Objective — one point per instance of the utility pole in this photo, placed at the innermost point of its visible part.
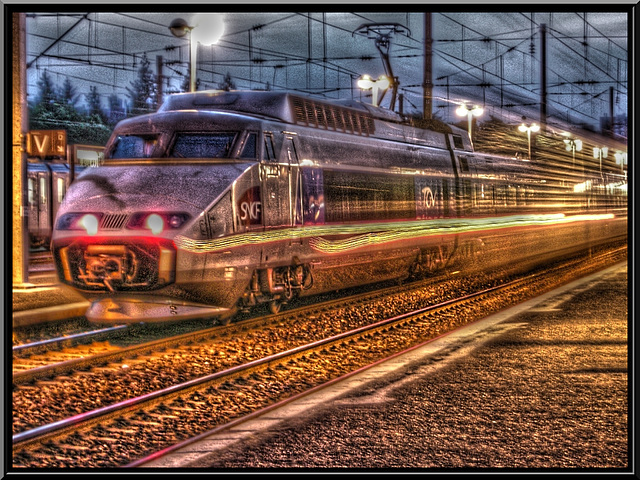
(611, 122)
(427, 100)
(159, 78)
(543, 76)
(20, 238)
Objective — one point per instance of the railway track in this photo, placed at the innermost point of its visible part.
(50, 357)
(122, 431)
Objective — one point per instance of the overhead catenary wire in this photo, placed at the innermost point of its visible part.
(275, 59)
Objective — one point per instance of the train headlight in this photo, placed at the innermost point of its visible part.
(90, 223)
(157, 222)
(80, 221)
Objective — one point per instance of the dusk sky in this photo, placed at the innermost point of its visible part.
(489, 58)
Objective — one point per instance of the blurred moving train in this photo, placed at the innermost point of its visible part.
(47, 184)
(221, 201)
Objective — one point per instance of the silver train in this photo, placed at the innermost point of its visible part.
(221, 201)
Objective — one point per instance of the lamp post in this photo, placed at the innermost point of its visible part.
(573, 145)
(476, 111)
(366, 83)
(621, 159)
(600, 153)
(210, 32)
(529, 128)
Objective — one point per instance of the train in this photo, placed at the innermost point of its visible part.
(221, 202)
(47, 183)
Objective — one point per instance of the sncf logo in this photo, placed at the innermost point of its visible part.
(250, 208)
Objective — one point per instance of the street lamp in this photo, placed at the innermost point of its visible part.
(209, 30)
(573, 146)
(476, 111)
(526, 128)
(366, 83)
(621, 159)
(600, 153)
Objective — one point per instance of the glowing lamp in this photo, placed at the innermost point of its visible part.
(89, 223)
(367, 83)
(209, 29)
(463, 111)
(533, 128)
(155, 223)
(600, 152)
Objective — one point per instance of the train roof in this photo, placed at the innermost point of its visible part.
(283, 106)
(347, 115)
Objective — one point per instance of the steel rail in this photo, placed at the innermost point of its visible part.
(47, 371)
(76, 336)
(94, 416)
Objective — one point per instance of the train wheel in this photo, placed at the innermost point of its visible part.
(275, 306)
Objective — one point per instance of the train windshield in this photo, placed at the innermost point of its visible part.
(185, 145)
(202, 145)
(134, 146)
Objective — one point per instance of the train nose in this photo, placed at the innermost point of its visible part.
(138, 264)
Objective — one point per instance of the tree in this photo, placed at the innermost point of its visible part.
(185, 85)
(94, 107)
(47, 93)
(68, 92)
(143, 91)
(227, 84)
(117, 110)
(53, 110)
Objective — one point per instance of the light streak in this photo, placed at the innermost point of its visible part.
(363, 235)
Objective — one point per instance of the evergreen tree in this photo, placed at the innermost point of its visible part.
(94, 107)
(68, 92)
(47, 93)
(185, 85)
(227, 84)
(57, 111)
(51, 107)
(117, 110)
(143, 91)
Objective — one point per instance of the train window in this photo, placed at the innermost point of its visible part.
(511, 196)
(202, 145)
(134, 146)
(313, 199)
(61, 189)
(31, 195)
(249, 147)
(43, 190)
(360, 197)
(269, 148)
(464, 164)
(269, 152)
(457, 142)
